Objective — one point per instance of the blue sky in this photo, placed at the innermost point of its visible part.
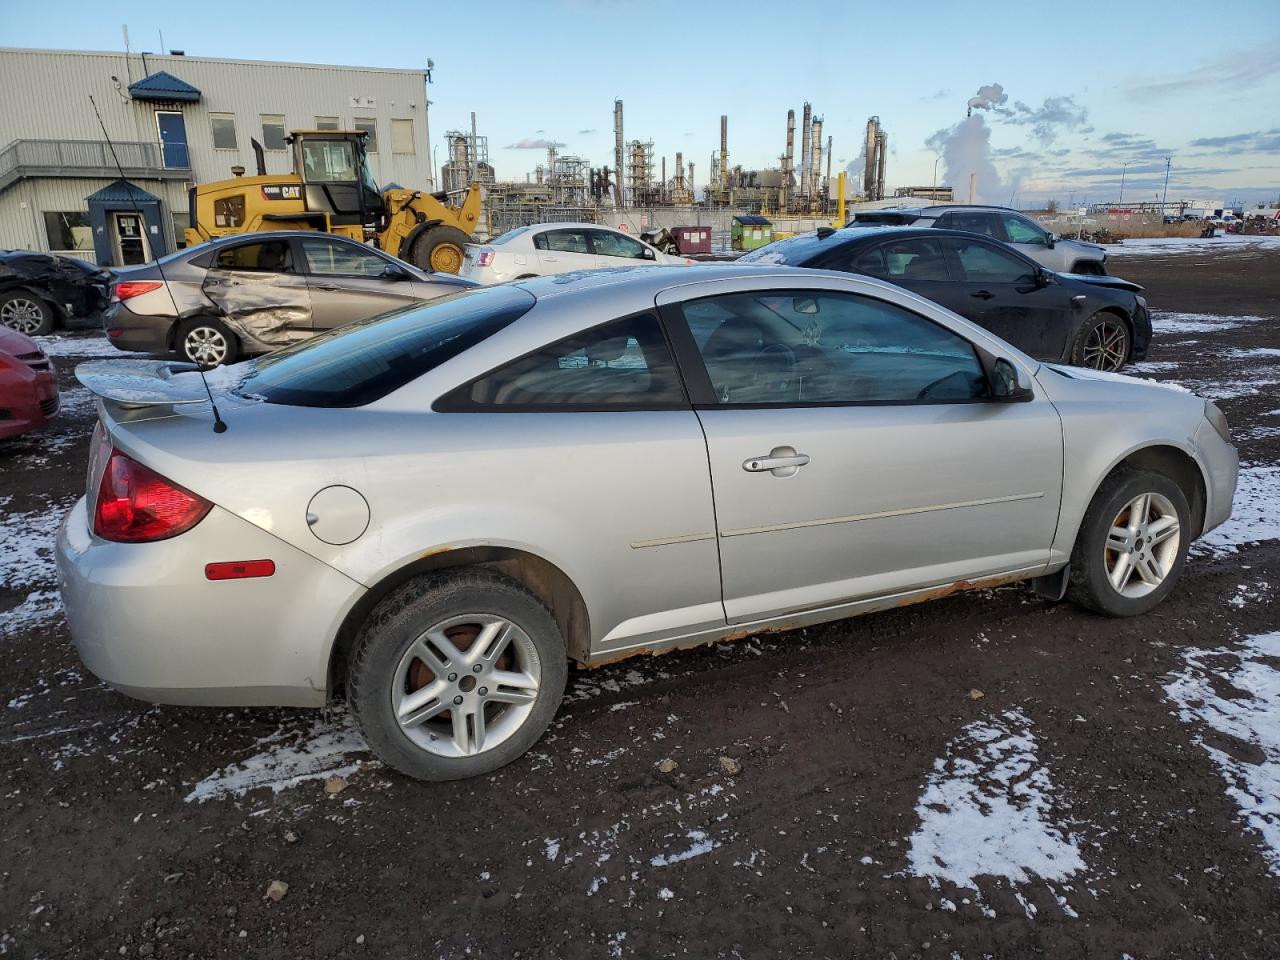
(1089, 88)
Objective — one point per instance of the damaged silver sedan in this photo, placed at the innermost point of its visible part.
(254, 293)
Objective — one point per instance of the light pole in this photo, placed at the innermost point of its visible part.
(934, 189)
(1123, 169)
(1164, 199)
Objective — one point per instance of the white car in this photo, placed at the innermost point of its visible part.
(546, 248)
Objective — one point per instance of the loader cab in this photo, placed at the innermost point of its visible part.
(334, 168)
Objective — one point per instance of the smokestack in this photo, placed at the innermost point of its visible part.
(869, 159)
(788, 161)
(471, 167)
(617, 154)
(826, 186)
(973, 186)
(805, 132)
(882, 151)
(664, 176)
(724, 152)
(815, 161)
(691, 181)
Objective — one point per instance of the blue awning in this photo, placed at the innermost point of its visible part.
(122, 191)
(164, 87)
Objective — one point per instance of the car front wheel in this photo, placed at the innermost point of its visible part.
(455, 675)
(26, 313)
(1132, 544)
(1102, 343)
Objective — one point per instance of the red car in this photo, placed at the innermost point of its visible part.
(28, 386)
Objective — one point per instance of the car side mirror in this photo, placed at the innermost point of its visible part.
(1050, 239)
(1045, 277)
(1009, 384)
(394, 271)
(649, 254)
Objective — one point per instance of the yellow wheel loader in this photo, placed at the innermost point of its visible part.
(332, 190)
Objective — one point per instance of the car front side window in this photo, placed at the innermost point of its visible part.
(814, 348)
(1022, 230)
(624, 364)
(610, 244)
(981, 262)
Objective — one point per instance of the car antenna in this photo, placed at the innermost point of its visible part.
(219, 425)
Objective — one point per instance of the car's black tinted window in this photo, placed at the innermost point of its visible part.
(918, 258)
(984, 223)
(623, 364)
(364, 361)
(805, 347)
(981, 262)
(272, 256)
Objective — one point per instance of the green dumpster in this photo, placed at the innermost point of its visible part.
(751, 231)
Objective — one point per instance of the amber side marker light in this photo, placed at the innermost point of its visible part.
(239, 569)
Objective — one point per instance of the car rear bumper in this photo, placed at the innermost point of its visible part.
(145, 619)
(27, 402)
(135, 331)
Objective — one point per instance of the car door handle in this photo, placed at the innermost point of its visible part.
(983, 294)
(777, 462)
(332, 288)
(548, 259)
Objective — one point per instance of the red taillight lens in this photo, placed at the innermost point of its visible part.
(485, 258)
(128, 289)
(137, 505)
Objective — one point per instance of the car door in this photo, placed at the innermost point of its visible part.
(349, 282)
(855, 451)
(562, 250)
(614, 249)
(595, 435)
(915, 263)
(259, 291)
(1009, 295)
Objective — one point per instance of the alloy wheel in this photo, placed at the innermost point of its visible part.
(205, 346)
(1142, 545)
(22, 314)
(466, 685)
(1106, 347)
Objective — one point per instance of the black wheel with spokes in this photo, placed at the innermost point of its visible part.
(1102, 343)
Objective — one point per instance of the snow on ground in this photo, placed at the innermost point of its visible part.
(986, 811)
(1233, 695)
(27, 563)
(1162, 246)
(1255, 511)
(297, 752)
(90, 345)
(1168, 322)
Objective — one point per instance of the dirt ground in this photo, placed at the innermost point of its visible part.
(1070, 768)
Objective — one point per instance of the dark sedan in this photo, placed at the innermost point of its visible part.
(1098, 322)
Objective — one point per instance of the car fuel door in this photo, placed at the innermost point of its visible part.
(259, 293)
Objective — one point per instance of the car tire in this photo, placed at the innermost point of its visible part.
(206, 341)
(434, 696)
(439, 250)
(1103, 342)
(1089, 268)
(23, 311)
(1116, 569)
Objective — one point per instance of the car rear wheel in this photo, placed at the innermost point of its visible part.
(456, 675)
(439, 250)
(1102, 343)
(26, 313)
(1132, 544)
(207, 342)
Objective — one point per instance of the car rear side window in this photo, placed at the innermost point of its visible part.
(270, 256)
(622, 365)
(366, 360)
(973, 222)
(562, 241)
(919, 258)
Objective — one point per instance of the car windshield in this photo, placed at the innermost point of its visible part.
(366, 360)
(509, 235)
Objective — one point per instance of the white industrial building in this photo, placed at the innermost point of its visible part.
(174, 121)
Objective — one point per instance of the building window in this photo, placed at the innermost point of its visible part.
(326, 123)
(370, 126)
(402, 136)
(273, 131)
(224, 131)
(68, 230)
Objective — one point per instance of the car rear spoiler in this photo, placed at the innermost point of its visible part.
(142, 383)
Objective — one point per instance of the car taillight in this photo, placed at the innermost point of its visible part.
(128, 289)
(137, 505)
(485, 258)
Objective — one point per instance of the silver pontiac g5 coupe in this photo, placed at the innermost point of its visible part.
(435, 510)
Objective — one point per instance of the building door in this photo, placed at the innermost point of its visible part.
(131, 239)
(172, 127)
